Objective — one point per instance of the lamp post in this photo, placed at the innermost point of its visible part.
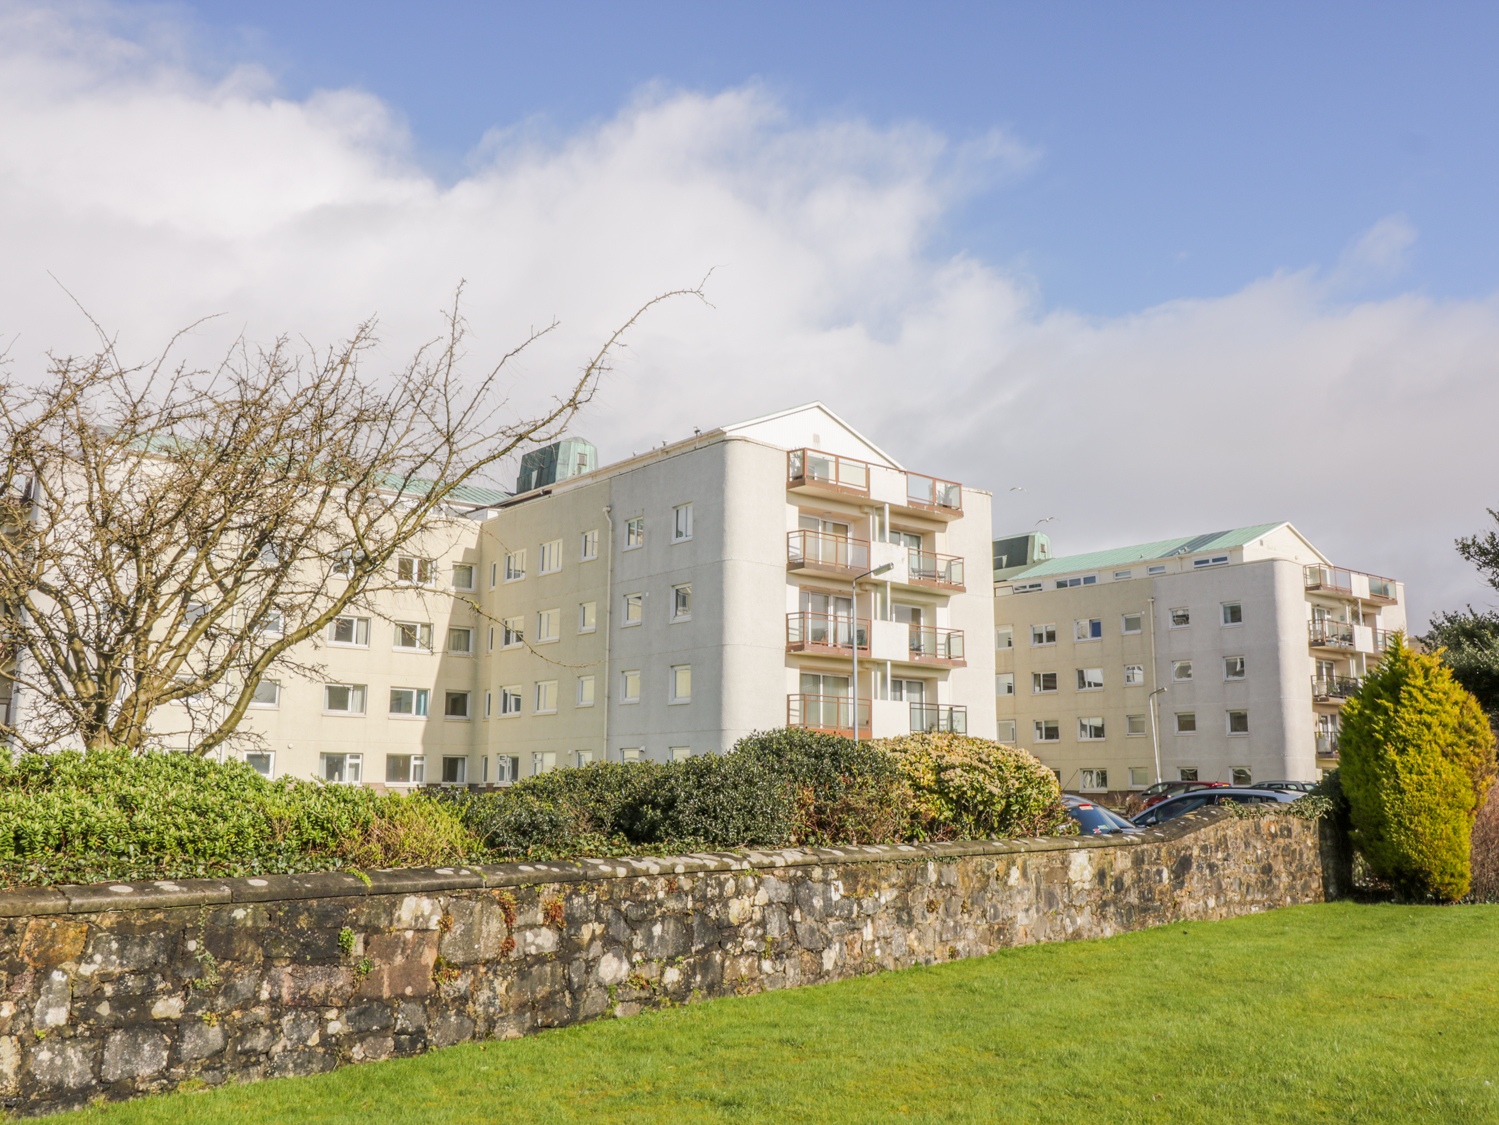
(1155, 734)
(854, 636)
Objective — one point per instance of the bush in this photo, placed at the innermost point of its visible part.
(1417, 756)
(1484, 852)
(970, 788)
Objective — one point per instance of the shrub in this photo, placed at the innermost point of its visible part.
(1417, 756)
(1484, 851)
(970, 788)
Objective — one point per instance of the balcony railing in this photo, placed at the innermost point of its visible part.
(929, 569)
(841, 474)
(821, 551)
(1383, 639)
(1335, 687)
(834, 713)
(1327, 745)
(931, 645)
(829, 632)
(930, 717)
(933, 493)
(1337, 580)
(1331, 634)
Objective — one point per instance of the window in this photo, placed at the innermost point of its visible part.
(455, 771)
(408, 701)
(1186, 722)
(1139, 777)
(588, 617)
(1042, 682)
(1094, 779)
(585, 691)
(405, 769)
(343, 566)
(1132, 623)
(585, 757)
(455, 705)
(492, 567)
(590, 545)
(491, 639)
(261, 762)
(413, 635)
(515, 566)
(343, 699)
(680, 753)
(630, 753)
(1121, 575)
(1134, 675)
(1048, 730)
(1004, 683)
(1186, 774)
(1043, 635)
(543, 761)
(548, 626)
(340, 769)
(416, 572)
(510, 700)
(460, 640)
(1238, 722)
(512, 632)
(634, 608)
(1004, 637)
(1233, 613)
(1090, 630)
(1134, 725)
(463, 576)
(681, 523)
(1181, 617)
(1064, 583)
(1090, 679)
(551, 557)
(273, 623)
(1090, 730)
(1006, 730)
(681, 602)
(1233, 667)
(349, 631)
(1210, 560)
(488, 711)
(1181, 671)
(630, 686)
(1242, 777)
(681, 683)
(546, 697)
(1026, 588)
(1155, 569)
(635, 533)
(267, 694)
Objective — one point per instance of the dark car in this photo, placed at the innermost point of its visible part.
(1177, 788)
(1095, 820)
(1286, 786)
(1173, 807)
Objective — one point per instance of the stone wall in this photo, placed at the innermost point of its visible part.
(118, 990)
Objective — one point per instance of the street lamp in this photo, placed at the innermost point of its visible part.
(875, 573)
(1155, 734)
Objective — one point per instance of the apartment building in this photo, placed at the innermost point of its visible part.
(1219, 657)
(779, 571)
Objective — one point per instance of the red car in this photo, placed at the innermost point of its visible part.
(1162, 791)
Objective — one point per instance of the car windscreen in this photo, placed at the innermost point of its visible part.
(1183, 805)
(1095, 821)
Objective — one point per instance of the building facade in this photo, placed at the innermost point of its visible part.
(1221, 657)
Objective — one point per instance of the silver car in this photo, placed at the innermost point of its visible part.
(1207, 798)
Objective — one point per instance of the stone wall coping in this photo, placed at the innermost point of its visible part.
(168, 893)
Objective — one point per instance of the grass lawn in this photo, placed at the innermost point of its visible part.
(1340, 1013)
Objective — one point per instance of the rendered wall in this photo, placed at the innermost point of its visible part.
(121, 990)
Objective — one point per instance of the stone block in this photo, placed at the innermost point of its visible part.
(666, 938)
(110, 952)
(137, 1052)
(63, 1064)
(369, 1017)
(54, 1001)
(450, 1027)
(198, 1040)
(51, 941)
(403, 964)
(304, 986)
(298, 1064)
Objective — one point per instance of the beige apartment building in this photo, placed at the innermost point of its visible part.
(658, 608)
(1219, 657)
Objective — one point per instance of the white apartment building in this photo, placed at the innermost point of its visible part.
(1219, 657)
(661, 607)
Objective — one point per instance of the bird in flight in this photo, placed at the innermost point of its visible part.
(1016, 488)
(1048, 519)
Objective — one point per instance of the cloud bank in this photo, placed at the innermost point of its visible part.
(157, 196)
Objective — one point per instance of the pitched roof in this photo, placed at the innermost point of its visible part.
(1162, 549)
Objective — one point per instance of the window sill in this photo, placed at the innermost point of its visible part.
(628, 702)
(263, 706)
(1086, 690)
(408, 718)
(511, 715)
(558, 570)
(549, 711)
(344, 714)
(631, 624)
(589, 558)
(679, 620)
(684, 539)
(582, 704)
(590, 629)
(410, 648)
(344, 644)
(678, 702)
(1142, 734)
(636, 547)
(456, 719)
(509, 581)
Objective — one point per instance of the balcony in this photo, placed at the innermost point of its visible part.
(825, 632)
(930, 645)
(822, 553)
(932, 494)
(934, 717)
(831, 713)
(1350, 583)
(1327, 744)
(814, 471)
(941, 572)
(1331, 634)
(817, 473)
(1334, 689)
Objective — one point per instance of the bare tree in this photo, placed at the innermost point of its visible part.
(170, 536)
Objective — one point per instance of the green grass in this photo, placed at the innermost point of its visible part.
(1336, 1013)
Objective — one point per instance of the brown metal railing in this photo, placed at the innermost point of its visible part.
(1327, 744)
(842, 474)
(931, 645)
(933, 493)
(827, 552)
(832, 632)
(1334, 687)
(1339, 580)
(939, 717)
(927, 568)
(834, 713)
(1331, 634)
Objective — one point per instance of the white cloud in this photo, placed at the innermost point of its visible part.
(157, 196)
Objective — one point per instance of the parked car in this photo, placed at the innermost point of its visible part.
(1173, 807)
(1286, 786)
(1093, 819)
(1177, 788)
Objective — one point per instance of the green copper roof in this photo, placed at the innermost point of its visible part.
(1163, 549)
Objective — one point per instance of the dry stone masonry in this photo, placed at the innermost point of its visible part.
(119, 990)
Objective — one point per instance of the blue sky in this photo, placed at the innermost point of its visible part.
(1180, 149)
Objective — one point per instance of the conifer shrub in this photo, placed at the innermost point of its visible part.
(1417, 758)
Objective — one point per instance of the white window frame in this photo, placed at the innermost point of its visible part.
(1236, 780)
(546, 697)
(1093, 780)
(1176, 671)
(1086, 626)
(416, 769)
(1086, 725)
(488, 713)
(677, 593)
(493, 574)
(589, 548)
(588, 617)
(1004, 684)
(348, 712)
(361, 626)
(1210, 560)
(1129, 723)
(512, 632)
(510, 701)
(637, 603)
(1125, 630)
(1004, 637)
(1223, 609)
(635, 533)
(1144, 777)
(461, 771)
(1191, 717)
(549, 557)
(1042, 630)
(1039, 728)
(678, 671)
(420, 703)
(1186, 613)
(472, 577)
(422, 635)
(270, 763)
(1228, 722)
(1151, 570)
(1137, 680)
(467, 633)
(681, 523)
(468, 706)
(1121, 575)
(272, 704)
(548, 618)
(1038, 683)
(1243, 675)
(1005, 731)
(515, 565)
(586, 691)
(423, 572)
(353, 767)
(1183, 772)
(629, 679)
(1085, 681)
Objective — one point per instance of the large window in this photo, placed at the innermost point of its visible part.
(349, 631)
(463, 576)
(461, 640)
(1134, 675)
(1233, 613)
(1181, 671)
(681, 602)
(546, 697)
(1233, 668)
(1139, 777)
(515, 565)
(635, 533)
(510, 700)
(585, 691)
(405, 769)
(1094, 780)
(1042, 682)
(455, 705)
(1186, 722)
(341, 769)
(1048, 730)
(1089, 630)
(1134, 725)
(414, 635)
(1090, 729)
(1090, 679)
(1006, 732)
(551, 557)
(1043, 635)
(630, 686)
(590, 548)
(1004, 683)
(267, 694)
(548, 626)
(1238, 722)
(681, 683)
(408, 701)
(512, 632)
(343, 699)
(588, 617)
(455, 771)
(415, 571)
(1004, 637)
(634, 608)
(681, 523)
